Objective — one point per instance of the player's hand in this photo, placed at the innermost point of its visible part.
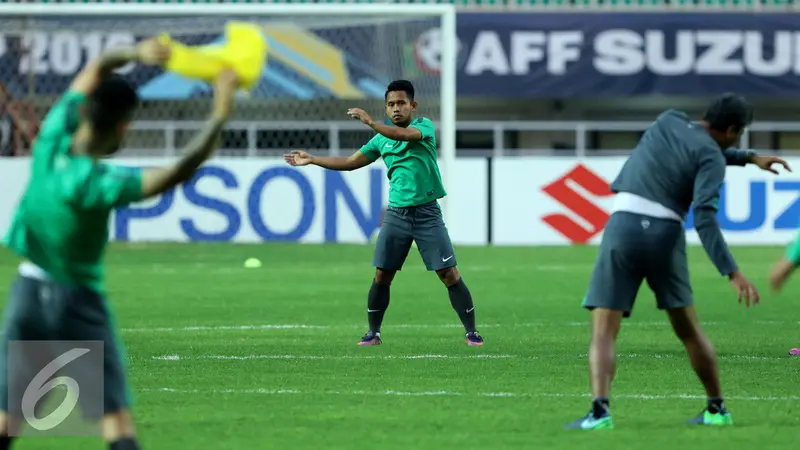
(224, 92)
(360, 114)
(780, 273)
(298, 158)
(152, 52)
(745, 289)
(765, 162)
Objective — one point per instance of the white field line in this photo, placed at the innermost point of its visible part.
(790, 398)
(252, 357)
(225, 328)
(279, 270)
(264, 327)
(175, 357)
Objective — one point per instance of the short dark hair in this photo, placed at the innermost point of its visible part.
(729, 110)
(400, 85)
(113, 101)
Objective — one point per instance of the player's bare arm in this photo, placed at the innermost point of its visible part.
(390, 131)
(355, 161)
(786, 266)
(149, 52)
(201, 147)
(781, 273)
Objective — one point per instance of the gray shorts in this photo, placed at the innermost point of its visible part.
(45, 311)
(422, 224)
(638, 248)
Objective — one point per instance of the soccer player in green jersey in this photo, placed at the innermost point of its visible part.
(408, 148)
(60, 228)
(783, 270)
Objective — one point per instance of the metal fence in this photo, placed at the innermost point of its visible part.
(579, 138)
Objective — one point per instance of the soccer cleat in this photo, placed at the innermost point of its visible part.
(794, 352)
(706, 418)
(371, 338)
(590, 422)
(474, 339)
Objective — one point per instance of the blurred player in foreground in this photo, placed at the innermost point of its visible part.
(61, 224)
(783, 270)
(408, 148)
(677, 163)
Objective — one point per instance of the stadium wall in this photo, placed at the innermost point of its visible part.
(502, 201)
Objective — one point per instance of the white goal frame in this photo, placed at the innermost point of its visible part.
(449, 49)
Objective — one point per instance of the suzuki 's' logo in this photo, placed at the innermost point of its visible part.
(561, 191)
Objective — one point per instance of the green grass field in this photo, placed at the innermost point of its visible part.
(223, 357)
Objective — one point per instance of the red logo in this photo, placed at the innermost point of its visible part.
(561, 191)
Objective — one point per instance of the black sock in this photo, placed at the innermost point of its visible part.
(124, 444)
(600, 407)
(5, 442)
(377, 303)
(461, 300)
(715, 405)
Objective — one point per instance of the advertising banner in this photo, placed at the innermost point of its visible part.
(536, 55)
(319, 58)
(535, 201)
(265, 200)
(561, 201)
(622, 54)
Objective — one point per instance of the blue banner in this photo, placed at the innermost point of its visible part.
(627, 54)
(535, 55)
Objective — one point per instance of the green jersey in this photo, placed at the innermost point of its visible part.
(61, 222)
(413, 172)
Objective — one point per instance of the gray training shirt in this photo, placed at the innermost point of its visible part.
(677, 164)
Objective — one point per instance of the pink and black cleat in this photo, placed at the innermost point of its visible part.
(794, 352)
(371, 338)
(474, 339)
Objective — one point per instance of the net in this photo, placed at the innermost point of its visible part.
(319, 66)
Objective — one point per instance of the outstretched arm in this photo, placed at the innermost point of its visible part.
(707, 185)
(786, 266)
(396, 133)
(708, 182)
(109, 187)
(392, 132)
(355, 161)
(201, 147)
(739, 157)
(149, 52)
